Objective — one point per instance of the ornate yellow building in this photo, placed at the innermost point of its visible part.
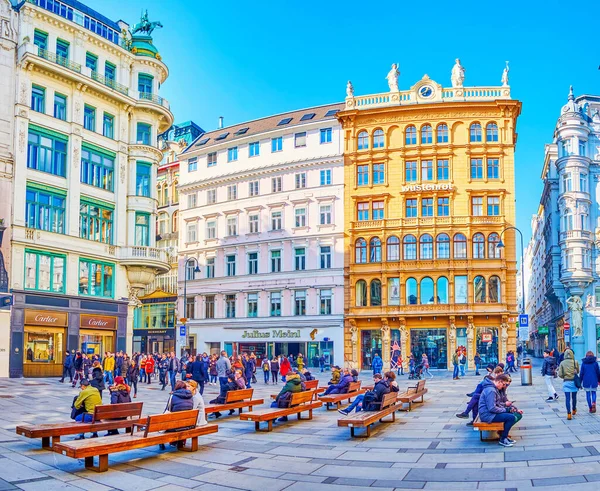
(429, 192)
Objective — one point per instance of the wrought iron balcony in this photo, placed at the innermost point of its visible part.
(110, 83)
(59, 60)
(149, 96)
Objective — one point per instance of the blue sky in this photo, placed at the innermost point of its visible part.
(244, 60)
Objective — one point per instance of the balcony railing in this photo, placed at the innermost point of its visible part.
(59, 60)
(143, 252)
(110, 83)
(428, 221)
(576, 234)
(149, 96)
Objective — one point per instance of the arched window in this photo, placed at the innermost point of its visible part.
(442, 246)
(361, 293)
(568, 220)
(411, 291)
(175, 223)
(494, 289)
(478, 246)
(426, 134)
(442, 290)
(427, 291)
(363, 140)
(375, 250)
(361, 251)
(425, 247)
(175, 193)
(493, 250)
(460, 246)
(378, 139)
(375, 293)
(411, 135)
(491, 132)
(479, 289)
(393, 248)
(442, 133)
(475, 132)
(409, 246)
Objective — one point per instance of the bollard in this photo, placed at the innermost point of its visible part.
(526, 374)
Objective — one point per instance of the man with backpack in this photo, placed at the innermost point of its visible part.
(549, 372)
(370, 400)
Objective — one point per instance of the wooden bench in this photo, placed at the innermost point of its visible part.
(412, 394)
(309, 385)
(364, 419)
(106, 417)
(300, 402)
(480, 426)
(160, 428)
(330, 399)
(235, 399)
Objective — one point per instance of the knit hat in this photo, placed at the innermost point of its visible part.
(490, 367)
(119, 380)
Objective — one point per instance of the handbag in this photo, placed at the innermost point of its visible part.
(577, 381)
(168, 406)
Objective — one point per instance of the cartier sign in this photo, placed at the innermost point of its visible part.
(428, 187)
(98, 321)
(45, 318)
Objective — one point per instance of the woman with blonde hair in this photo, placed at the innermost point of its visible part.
(198, 402)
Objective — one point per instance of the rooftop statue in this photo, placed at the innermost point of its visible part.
(349, 89)
(392, 78)
(145, 26)
(505, 75)
(457, 77)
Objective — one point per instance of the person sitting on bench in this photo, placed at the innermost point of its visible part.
(222, 397)
(87, 400)
(292, 385)
(181, 399)
(342, 386)
(474, 402)
(369, 401)
(493, 410)
(119, 394)
(336, 374)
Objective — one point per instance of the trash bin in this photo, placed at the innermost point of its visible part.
(526, 375)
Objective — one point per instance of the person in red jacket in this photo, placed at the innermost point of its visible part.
(285, 367)
(149, 368)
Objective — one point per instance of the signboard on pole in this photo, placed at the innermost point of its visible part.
(542, 329)
(523, 320)
(182, 331)
(523, 333)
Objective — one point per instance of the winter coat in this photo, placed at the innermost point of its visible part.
(343, 385)
(569, 367)
(490, 402)
(590, 372)
(308, 375)
(78, 363)
(300, 362)
(174, 365)
(223, 366)
(89, 398)
(275, 366)
(230, 385)
(241, 383)
(266, 365)
(133, 372)
(477, 360)
(181, 400)
(68, 361)
(213, 369)
(455, 359)
(149, 365)
(97, 379)
(373, 398)
(249, 368)
(109, 364)
(335, 376)
(125, 366)
(119, 394)
(198, 371)
(293, 384)
(377, 364)
(285, 367)
(549, 366)
(119, 362)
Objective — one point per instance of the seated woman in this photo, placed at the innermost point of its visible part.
(492, 409)
(293, 384)
(341, 387)
(198, 402)
(230, 385)
(180, 400)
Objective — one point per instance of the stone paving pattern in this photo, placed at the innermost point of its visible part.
(428, 448)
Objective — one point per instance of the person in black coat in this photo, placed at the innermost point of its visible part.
(181, 399)
(230, 385)
(98, 378)
(199, 371)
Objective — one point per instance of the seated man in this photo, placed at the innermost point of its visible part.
(492, 409)
(474, 402)
(86, 401)
(342, 386)
(293, 384)
(230, 385)
(371, 400)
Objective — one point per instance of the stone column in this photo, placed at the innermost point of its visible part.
(451, 340)
(503, 339)
(385, 343)
(354, 359)
(470, 342)
(404, 343)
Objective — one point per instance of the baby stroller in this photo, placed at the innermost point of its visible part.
(417, 373)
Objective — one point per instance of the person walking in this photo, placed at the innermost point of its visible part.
(549, 372)
(425, 363)
(173, 369)
(78, 366)
(212, 370)
(97, 377)
(223, 366)
(400, 365)
(248, 364)
(285, 367)
(377, 364)
(67, 366)
(568, 370)
(275, 370)
(149, 369)
(455, 365)
(589, 375)
(125, 368)
(143, 368)
(322, 363)
(477, 361)
(109, 368)
(462, 362)
(133, 374)
(199, 372)
(300, 362)
(163, 367)
(266, 368)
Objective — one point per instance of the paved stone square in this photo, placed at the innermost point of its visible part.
(428, 448)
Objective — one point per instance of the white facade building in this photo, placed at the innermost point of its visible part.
(261, 207)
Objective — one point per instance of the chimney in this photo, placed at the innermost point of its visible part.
(220, 122)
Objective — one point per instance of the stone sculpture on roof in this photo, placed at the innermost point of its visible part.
(392, 77)
(505, 75)
(349, 89)
(457, 77)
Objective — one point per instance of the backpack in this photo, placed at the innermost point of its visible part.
(463, 360)
(370, 402)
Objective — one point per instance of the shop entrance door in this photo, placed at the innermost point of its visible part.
(370, 345)
(433, 343)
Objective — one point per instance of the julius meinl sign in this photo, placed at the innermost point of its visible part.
(275, 334)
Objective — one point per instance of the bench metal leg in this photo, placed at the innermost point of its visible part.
(46, 442)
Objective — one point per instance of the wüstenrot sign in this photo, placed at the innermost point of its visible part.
(427, 187)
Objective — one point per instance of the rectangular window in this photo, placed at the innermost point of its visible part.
(411, 208)
(276, 220)
(362, 175)
(40, 39)
(583, 183)
(232, 154)
(276, 144)
(477, 206)
(96, 279)
(89, 118)
(230, 263)
(443, 170)
(275, 261)
(142, 179)
(300, 302)
(427, 170)
(253, 263)
(411, 171)
(142, 229)
(232, 226)
(191, 231)
(97, 167)
(300, 214)
(192, 200)
(62, 52)
(582, 145)
(567, 182)
(460, 289)
(300, 259)
(60, 106)
(325, 135)
(493, 168)
(325, 307)
(232, 192)
(276, 184)
(325, 256)
(325, 177)
(254, 149)
(209, 306)
(95, 222)
(211, 196)
(325, 214)
(91, 61)
(253, 188)
(193, 164)
(443, 207)
(230, 306)
(210, 267)
(211, 229)
(110, 72)
(476, 168)
(493, 204)
(300, 139)
(145, 83)
(144, 133)
(38, 98)
(300, 179)
(378, 173)
(211, 159)
(45, 271)
(47, 152)
(275, 310)
(362, 213)
(253, 224)
(45, 210)
(190, 308)
(252, 304)
(378, 213)
(426, 207)
(108, 125)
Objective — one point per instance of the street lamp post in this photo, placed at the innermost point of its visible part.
(185, 278)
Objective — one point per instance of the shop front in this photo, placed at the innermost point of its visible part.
(153, 340)
(154, 324)
(45, 336)
(487, 345)
(97, 334)
(433, 343)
